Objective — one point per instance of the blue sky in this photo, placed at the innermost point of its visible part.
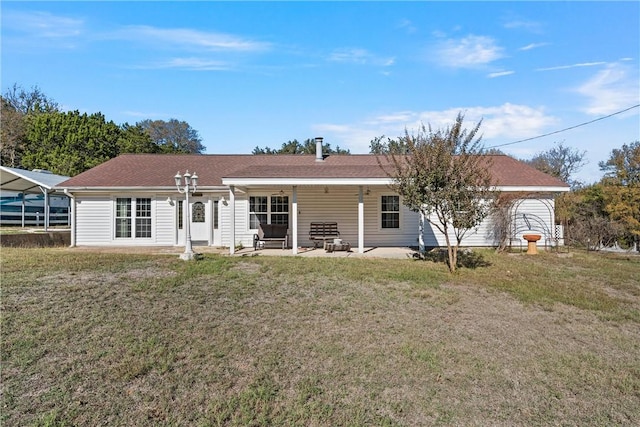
(247, 74)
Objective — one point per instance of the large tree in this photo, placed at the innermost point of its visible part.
(560, 161)
(68, 143)
(173, 136)
(16, 104)
(444, 177)
(134, 139)
(621, 188)
(295, 147)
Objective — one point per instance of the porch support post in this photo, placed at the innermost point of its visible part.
(294, 221)
(360, 220)
(46, 208)
(23, 208)
(232, 213)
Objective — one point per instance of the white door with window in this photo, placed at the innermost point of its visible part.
(199, 221)
(199, 216)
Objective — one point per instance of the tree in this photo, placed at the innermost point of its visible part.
(11, 134)
(444, 177)
(173, 136)
(621, 188)
(560, 161)
(134, 139)
(587, 222)
(69, 143)
(378, 146)
(16, 104)
(295, 147)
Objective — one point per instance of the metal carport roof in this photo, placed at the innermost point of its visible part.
(24, 181)
(30, 182)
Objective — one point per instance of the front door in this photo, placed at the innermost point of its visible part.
(199, 213)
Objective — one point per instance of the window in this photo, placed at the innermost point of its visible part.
(143, 218)
(280, 210)
(180, 214)
(268, 210)
(123, 217)
(126, 222)
(390, 212)
(197, 212)
(216, 212)
(257, 211)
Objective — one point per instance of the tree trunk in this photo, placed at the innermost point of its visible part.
(451, 252)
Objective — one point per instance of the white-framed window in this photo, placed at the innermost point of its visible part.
(268, 210)
(389, 211)
(123, 217)
(133, 218)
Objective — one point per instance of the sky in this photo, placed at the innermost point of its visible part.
(247, 74)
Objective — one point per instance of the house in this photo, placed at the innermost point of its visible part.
(133, 200)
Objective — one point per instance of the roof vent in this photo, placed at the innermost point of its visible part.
(319, 156)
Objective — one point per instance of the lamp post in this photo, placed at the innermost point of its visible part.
(189, 186)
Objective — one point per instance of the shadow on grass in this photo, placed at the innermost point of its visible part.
(466, 258)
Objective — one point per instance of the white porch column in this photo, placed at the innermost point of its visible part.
(46, 208)
(294, 221)
(360, 220)
(232, 212)
(23, 209)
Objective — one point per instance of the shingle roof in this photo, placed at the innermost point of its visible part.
(158, 170)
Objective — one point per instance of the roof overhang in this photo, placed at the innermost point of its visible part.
(305, 181)
(25, 181)
(532, 189)
(141, 189)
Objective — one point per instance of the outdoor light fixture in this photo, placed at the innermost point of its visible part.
(189, 186)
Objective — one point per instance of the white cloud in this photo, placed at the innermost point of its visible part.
(612, 89)
(43, 24)
(190, 38)
(500, 74)
(468, 52)
(407, 25)
(359, 56)
(524, 24)
(578, 65)
(507, 121)
(193, 64)
(533, 46)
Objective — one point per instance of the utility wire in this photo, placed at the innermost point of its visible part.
(566, 129)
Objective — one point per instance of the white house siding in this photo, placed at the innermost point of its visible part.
(164, 220)
(539, 212)
(94, 220)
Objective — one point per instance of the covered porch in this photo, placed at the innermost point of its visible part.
(356, 205)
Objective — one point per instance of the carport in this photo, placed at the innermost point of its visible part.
(30, 182)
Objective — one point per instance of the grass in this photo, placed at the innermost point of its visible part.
(124, 339)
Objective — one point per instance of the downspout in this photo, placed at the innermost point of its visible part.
(72, 206)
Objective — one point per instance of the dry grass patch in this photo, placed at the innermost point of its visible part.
(108, 339)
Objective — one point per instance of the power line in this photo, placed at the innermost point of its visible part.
(566, 129)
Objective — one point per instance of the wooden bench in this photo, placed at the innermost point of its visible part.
(323, 231)
(268, 233)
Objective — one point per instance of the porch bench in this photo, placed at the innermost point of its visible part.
(268, 233)
(323, 231)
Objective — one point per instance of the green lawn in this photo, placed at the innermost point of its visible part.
(122, 339)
